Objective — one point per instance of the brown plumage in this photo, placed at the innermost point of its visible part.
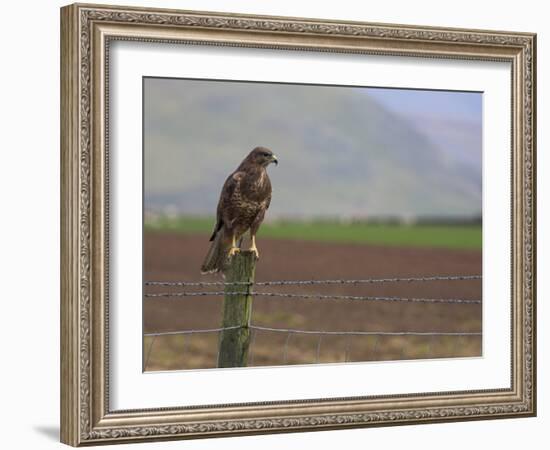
(244, 199)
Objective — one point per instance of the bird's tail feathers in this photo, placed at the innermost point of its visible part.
(217, 255)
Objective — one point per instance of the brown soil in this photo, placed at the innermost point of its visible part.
(176, 257)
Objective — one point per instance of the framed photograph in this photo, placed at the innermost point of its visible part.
(276, 224)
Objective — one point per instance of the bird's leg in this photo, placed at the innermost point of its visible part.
(253, 247)
(234, 249)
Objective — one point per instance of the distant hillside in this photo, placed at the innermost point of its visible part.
(341, 153)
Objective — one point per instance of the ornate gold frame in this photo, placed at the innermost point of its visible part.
(86, 31)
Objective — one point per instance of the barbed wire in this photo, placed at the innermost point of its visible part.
(191, 294)
(366, 298)
(312, 296)
(254, 329)
(314, 282)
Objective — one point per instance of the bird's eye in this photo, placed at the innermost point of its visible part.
(266, 154)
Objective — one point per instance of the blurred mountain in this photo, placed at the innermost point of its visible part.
(341, 153)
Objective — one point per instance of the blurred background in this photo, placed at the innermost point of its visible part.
(371, 183)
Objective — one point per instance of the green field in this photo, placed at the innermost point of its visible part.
(443, 236)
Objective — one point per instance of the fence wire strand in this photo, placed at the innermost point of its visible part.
(285, 351)
(319, 332)
(313, 282)
(252, 346)
(146, 363)
(313, 297)
(290, 332)
(206, 330)
(375, 347)
(365, 333)
(347, 349)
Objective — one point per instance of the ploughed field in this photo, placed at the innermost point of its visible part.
(176, 256)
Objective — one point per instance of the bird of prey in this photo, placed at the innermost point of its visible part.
(245, 197)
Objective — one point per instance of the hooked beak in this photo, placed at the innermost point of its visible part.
(274, 160)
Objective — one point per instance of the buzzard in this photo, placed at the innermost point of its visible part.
(244, 199)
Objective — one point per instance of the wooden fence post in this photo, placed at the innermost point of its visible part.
(237, 311)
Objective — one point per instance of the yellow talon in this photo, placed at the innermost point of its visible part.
(253, 248)
(234, 250)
